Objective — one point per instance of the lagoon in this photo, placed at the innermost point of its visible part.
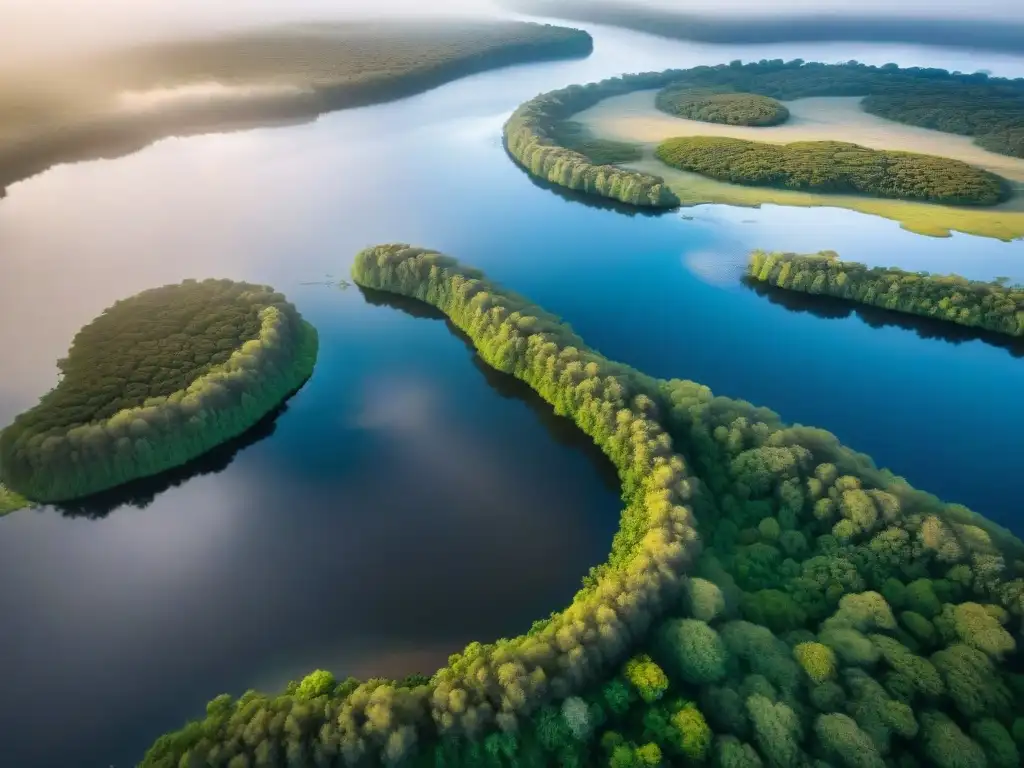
(408, 501)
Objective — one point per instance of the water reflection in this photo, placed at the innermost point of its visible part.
(925, 327)
(142, 492)
(559, 428)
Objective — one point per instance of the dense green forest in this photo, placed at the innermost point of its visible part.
(155, 380)
(721, 107)
(775, 25)
(69, 110)
(10, 501)
(991, 109)
(772, 598)
(993, 306)
(835, 167)
(541, 138)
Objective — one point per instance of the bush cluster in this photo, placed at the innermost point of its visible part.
(156, 380)
(993, 306)
(991, 109)
(834, 615)
(835, 167)
(721, 107)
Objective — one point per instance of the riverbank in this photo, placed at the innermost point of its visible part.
(119, 102)
(633, 117)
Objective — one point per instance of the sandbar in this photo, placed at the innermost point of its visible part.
(634, 118)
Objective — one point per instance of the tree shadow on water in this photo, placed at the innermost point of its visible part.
(142, 492)
(831, 308)
(560, 428)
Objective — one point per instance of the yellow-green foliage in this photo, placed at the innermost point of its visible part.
(729, 108)
(646, 676)
(835, 167)
(540, 137)
(817, 660)
(10, 501)
(989, 305)
(838, 680)
(154, 381)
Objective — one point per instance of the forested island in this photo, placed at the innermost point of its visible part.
(993, 306)
(543, 137)
(772, 598)
(156, 380)
(835, 167)
(540, 137)
(117, 102)
(721, 107)
(780, 26)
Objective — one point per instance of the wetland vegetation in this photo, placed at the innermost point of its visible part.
(833, 167)
(771, 598)
(986, 109)
(992, 306)
(156, 380)
(116, 102)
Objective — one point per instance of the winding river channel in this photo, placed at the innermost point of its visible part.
(408, 500)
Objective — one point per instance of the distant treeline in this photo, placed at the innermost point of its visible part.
(993, 306)
(991, 109)
(155, 381)
(827, 614)
(534, 137)
(69, 112)
(727, 108)
(835, 167)
(752, 28)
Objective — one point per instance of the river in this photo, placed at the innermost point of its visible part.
(407, 500)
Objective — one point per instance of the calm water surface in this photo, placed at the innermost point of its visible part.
(408, 500)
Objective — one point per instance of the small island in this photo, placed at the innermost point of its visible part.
(971, 120)
(992, 306)
(114, 102)
(835, 167)
(155, 381)
(726, 107)
(771, 598)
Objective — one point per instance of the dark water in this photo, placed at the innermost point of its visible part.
(408, 500)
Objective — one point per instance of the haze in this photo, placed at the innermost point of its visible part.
(44, 28)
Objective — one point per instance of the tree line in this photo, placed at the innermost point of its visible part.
(990, 109)
(835, 167)
(536, 137)
(156, 380)
(60, 114)
(994, 306)
(827, 614)
(721, 107)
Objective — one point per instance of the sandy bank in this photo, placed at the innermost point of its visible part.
(633, 117)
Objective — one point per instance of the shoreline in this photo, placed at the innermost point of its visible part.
(113, 134)
(633, 117)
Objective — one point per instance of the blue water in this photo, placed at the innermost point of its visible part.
(407, 500)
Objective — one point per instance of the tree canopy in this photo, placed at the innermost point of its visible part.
(991, 109)
(710, 106)
(69, 111)
(540, 137)
(154, 381)
(902, 614)
(835, 167)
(993, 306)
